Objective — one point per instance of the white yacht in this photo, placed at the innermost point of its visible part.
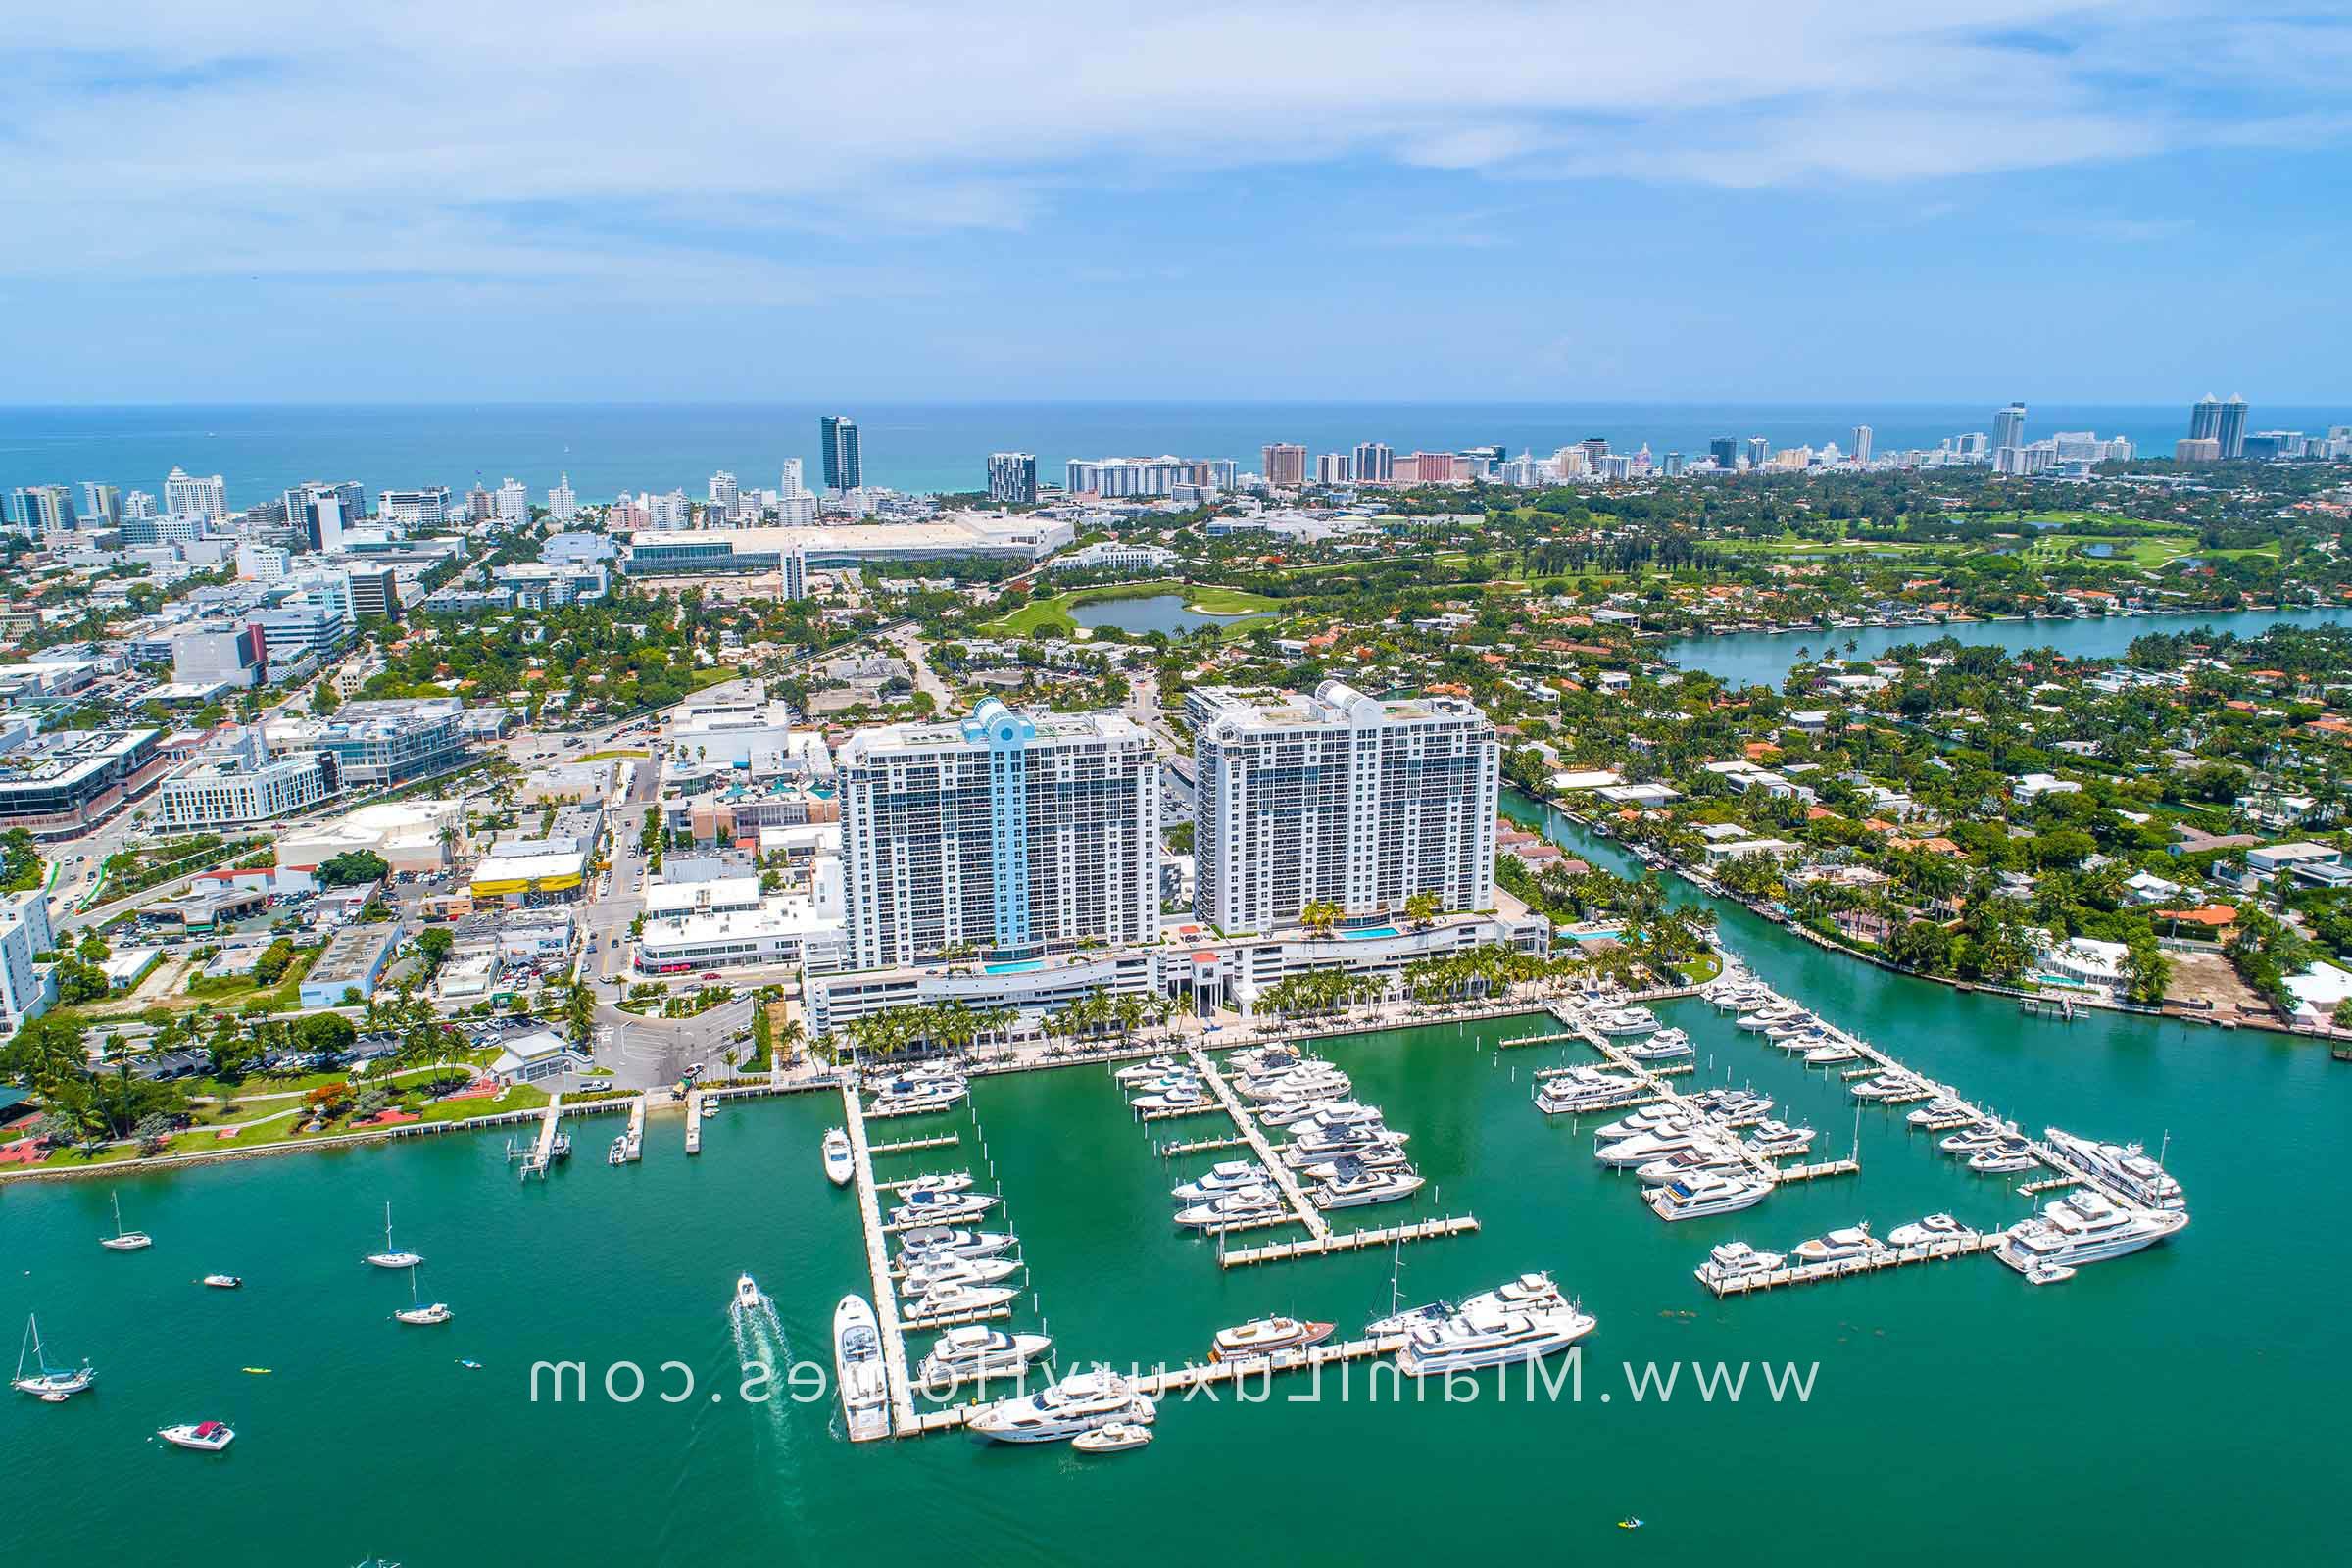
(2123, 1166)
(1667, 1045)
(1684, 1161)
(839, 1166)
(1703, 1194)
(1338, 1114)
(1528, 1290)
(1365, 1188)
(1182, 1078)
(857, 1369)
(1224, 1177)
(1969, 1140)
(747, 1293)
(930, 1277)
(1777, 1140)
(1804, 1023)
(1175, 1097)
(1837, 1246)
(1934, 1228)
(51, 1385)
(1352, 1164)
(1484, 1335)
(1078, 1403)
(123, 1241)
(1581, 1087)
(946, 1241)
(1733, 1261)
(1138, 1072)
(2006, 1158)
(1770, 1016)
(1736, 1104)
(954, 1182)
(1943, 1107)
(1831, 1055)
(942, 1209)
(421, 1313)
(934, 1097)
(389, 1259)
(1342, 1141)
(1617, 1022)
(1242, 1207)
(976, 1352)
(956, 1301)
(2088, 1227)
(205, 1436)
(1642, 1148)
(1649, 1119)
(1263, 1335)
(1885, 1086)
(1310, 1081)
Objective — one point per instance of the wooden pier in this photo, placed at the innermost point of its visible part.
(1201, 1146)
(1305, 1212)
(909, 1145)
(877, 1262)
(543, 1150)
(1562, 1037)
(2049, 1184)
(1822, 1168)
(1347, 1241)
(1965, 1246)
(632, 1148)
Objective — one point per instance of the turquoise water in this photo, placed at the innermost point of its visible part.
(1763, 658)
(2195, 1388)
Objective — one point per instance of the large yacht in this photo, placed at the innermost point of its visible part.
(1642, 1148)
(1772, 1016)
(1078, 1403)
(2088, 1227)
(1650, 1119)
(1934, 1228)
(1667, 1045)
(977, 1353)
(946, 1241)
(1482, 1335)
(1176, 1097)
(1366, 1187)
(942, 1209)
(1353, 1164)
(1318, 1080)
(1777, 1140)
(1736, 1104)
(1263, 1335)
(1704, 1193)
(1242, 1207)
(1138, 1072)
(2125, 1166)
(1226, 1176)
(1323, 1144)
(1734, 1260)
(858, 1368)
(1683, 1161)
(956, 1301)
(931, 1277)
(1623, 1021)
(1838, 1246)
(1582, 1088)
(1890, 1085)
(936, 1094)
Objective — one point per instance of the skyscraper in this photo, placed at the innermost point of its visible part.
(1338, 797)
(2205, 419)
(791, 483)
(1725, 450)
(1020, 832)
(1012, 479)
(2232, 430)
(1334, 467)
(1284, 465)
(1759, 451)
(101, 503)
(794, 571)
(1862, 440)
(2008, 427)
(46, 509)
(1375, 462)
(837, 434)
(187, 496)
(561, 504)
(320, 513)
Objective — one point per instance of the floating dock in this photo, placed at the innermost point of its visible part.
(877, 1262)
(1201, 1146)
(1348, 1241)
(1967, 1246)
(909, 1145)
(543, 1150)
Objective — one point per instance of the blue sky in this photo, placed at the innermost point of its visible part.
(1037, 198)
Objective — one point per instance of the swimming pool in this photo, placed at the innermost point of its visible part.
(1019, 966)
(1366, 934)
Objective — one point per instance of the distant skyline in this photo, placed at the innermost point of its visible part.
(1834, 201)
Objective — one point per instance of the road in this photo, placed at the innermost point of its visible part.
(907, 639)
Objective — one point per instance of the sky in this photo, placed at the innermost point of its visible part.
(1486, 199)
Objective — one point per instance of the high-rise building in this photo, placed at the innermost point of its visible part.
(561, 504)
(1674, 466)
(374, 591)
(2197, 449)
(1338, 798)
(186, 495)
(320, 513)
(2009, 426)
(791, 484)
(2231, 431)
(2205, 419)
(429, 507)
(1374, 463)
(138, 505)
(513, 503)
(1725, 450)
(1012, 479)
(46, 509)
(1759, 452)
(1596, 447)
(102, 503)
(1334, 467)
(722, 493)
(1284, 465)
(1570, 463)
(1862, 443)
(1115, 478)
(793, 570)
(1015, 832)
(845, 468)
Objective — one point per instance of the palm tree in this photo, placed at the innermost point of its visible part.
(1319, 915)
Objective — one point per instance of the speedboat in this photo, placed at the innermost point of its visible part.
(1665, 1045)
(857, 1369)
(1683, 1161)
(1485, 1335)
(1263, 1335)
(1352, 1164)
(747, 1293)
(1732, 1103)
(1839, 1245)
(976, 1352)
(224, 1282)
(956, 1301)
(930, 1278)
(1885, 1086)
(1777, 1140)
(1736, 1261)
(956, 1181)
(1642, 1148)
(840, 1167)
(1623, 1021)
(1934, 1228)
(2009, 1156)
(1772, 1016)
(123, 1241)
(1969, 1140)
(1078, 1403)
(1943, 1107)
(1113, 1436)
(942, 1209)
(2123, 1166)
(51, 1385)
(2088, 1227)
(1242, 1207)
(1703, 1193)
(1173, 1099)
(1365, 1188)
(205, 1436)
(1831, 1055)
(946, 1241)
(1226, 1176)
(388, 1258)
(1138, 1072)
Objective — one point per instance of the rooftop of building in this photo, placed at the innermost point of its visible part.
(994, 723)
(62, 755)
(1333, 703)
(352, 953)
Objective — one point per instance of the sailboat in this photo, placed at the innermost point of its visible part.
(123, 1241)
(388, 1258)
(47, 1383)
(421, 1313)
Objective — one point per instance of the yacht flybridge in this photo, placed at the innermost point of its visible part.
(858, 1370)
(1078, 1403)
(1483, 1335)
(2124, 1166)
(2088, 1227)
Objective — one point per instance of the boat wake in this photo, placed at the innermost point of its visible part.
(760, 1342)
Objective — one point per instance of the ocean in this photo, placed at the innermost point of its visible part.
(607, 448)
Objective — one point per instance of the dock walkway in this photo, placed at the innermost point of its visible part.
(1306, 1213)
(1967, 1246)
(877, 1263)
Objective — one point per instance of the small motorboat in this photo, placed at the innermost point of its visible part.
(1263, 1335)
(470, 1364)
(839, 1167)
(205, 1436)
(959, 1181)
(746, 1293)
(1113, 1436)
(1628, 1524)
(224, 1282)
(2048, 1274)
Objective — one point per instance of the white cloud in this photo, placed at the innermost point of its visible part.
(521, 139)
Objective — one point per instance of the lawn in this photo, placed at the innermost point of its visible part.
(616, 754)
(2136, 552)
